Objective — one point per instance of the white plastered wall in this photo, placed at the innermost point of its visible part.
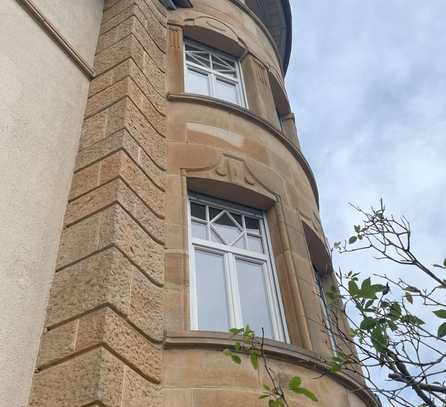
(42, 100)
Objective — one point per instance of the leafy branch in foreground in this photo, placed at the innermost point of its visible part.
(390, 329)
(253, 346)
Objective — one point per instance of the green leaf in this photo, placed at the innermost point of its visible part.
(444, 262)
(352, 240)
(237, 346)
(264, 396)
(357, 228)
(409, 297)
(236, 359)
(412, 319)
(441, 313)
(266, 387)
(254, 360)
(393, 326)
(379, 339)
(368, 323)
(307, 393)
(366, 283)
(442, 330)
(227, 352)
(236, 331)
(353, 288)
(295, 383)
(395, 310)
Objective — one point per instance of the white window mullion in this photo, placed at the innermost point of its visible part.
(272, 302)
(239, 323)
(193, 290)
(232, 291)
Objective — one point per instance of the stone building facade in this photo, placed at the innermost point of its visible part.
(179, 205)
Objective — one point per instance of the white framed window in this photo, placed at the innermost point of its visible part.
(212, 73)
(325, 312)
(232, 277)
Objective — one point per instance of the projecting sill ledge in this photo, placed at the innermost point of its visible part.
(274, 349)
(254, 118)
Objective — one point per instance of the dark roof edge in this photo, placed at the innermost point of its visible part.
(289, 34)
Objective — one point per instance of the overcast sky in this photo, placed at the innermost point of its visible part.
(367, 81)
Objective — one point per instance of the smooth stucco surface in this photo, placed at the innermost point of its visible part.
(43, 95)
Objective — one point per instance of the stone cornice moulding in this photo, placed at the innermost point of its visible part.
(52, 32)
(248, 115)
(276, 350)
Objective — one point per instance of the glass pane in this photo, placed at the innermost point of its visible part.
(213, 212)
(223, 63)
(255, 244)
(240, 243)
(215, 237)
(212, 303)
(198, 211)
(252, 225)
(226, 228)
(226, 91)
(199, 230)
(197, 82)
(238, 218)
(253, 297)
(199, 57)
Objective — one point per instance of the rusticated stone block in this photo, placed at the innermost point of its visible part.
(124, 69)
(130, 47)
(116, 192)
(125, 115)
(112, 227)
(139, 392)
(114, 7)
(127, 87)
(133, 25)
(103, 124)
(96, 376)
(140, 9)
(103, 327)
(122, 140)
(106, 327)
(120, 165)
(107, 278)
(58, 343)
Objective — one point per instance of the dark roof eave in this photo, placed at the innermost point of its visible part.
(289, 34)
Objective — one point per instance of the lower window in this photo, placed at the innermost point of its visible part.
(233, 283)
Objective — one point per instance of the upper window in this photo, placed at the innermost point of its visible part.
(212, 73)
(233, 283)
(326, 313)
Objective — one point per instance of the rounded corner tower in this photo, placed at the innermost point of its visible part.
(192, 210)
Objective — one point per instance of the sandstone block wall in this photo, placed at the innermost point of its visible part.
(102, 344)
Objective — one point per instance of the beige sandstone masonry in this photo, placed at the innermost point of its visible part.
(104, 327)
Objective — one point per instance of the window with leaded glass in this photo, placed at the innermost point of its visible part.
(212, 73)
